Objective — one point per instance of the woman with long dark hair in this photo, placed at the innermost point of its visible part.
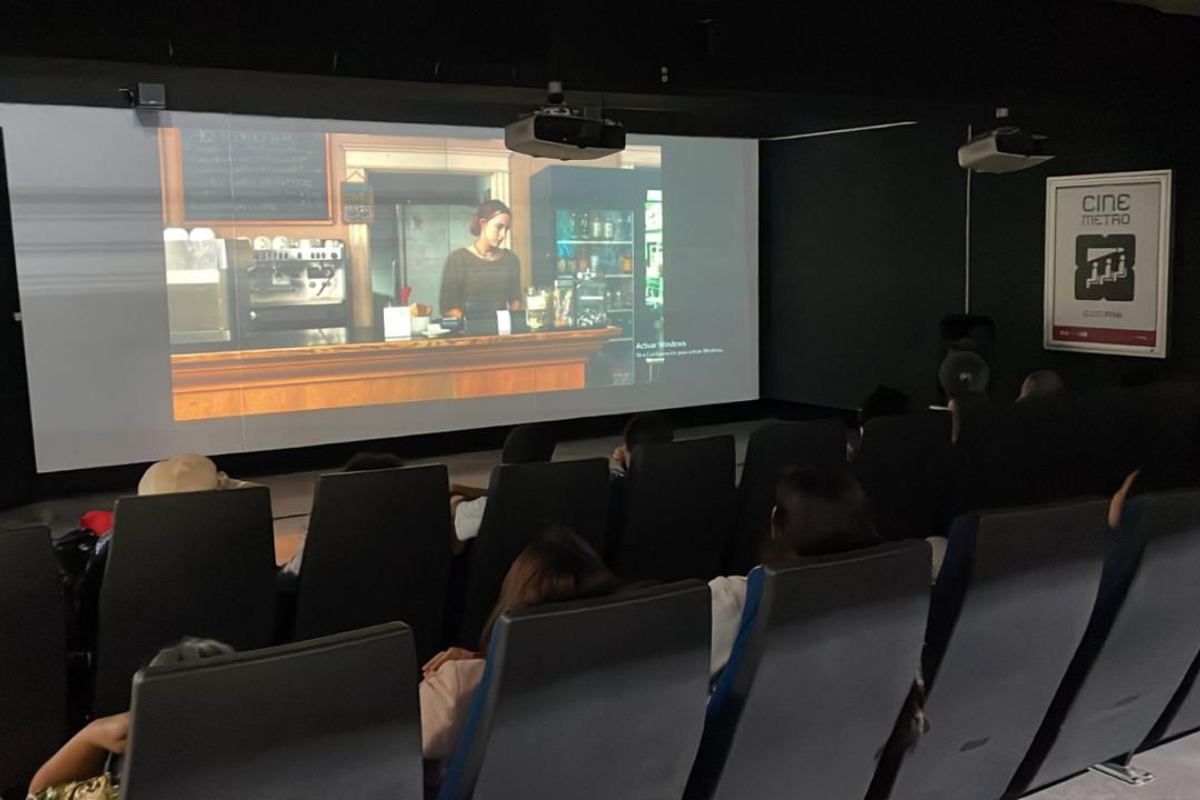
(818, 511)
(484, 271)
(555, 569)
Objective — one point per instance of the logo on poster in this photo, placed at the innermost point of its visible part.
(1104, 267)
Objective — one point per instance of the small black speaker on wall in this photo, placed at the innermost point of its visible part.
(965, 354)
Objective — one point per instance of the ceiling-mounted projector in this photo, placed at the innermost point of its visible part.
(1008, 148)
(556, 131)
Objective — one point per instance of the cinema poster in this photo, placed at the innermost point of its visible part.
(1108, 257)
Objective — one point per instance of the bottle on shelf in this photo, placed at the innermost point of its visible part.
(610, 228)
(571, 227)
(597, 230)
(581, 231)
(536, 300)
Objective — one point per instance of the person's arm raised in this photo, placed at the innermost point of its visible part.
(84, 755)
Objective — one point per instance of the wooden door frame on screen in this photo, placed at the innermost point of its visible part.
(440, 155)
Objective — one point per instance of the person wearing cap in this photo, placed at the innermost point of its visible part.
(185, 473)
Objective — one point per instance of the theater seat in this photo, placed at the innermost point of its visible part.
(1009, 609)
(529, 444)
(592, 700)
(336, 717)
(1062, 456)
(1143, 637)
(33, 657)
(523, 501)
(991, 465)
(828, 652)
(1183, 714)
(378, 549)
(772, 449)
(191, 564)
(679, 505)
(904, 467)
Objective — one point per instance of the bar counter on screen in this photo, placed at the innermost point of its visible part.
(233, 383)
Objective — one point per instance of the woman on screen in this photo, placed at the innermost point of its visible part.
(483, 272)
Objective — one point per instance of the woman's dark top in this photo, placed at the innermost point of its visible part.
(470, 279)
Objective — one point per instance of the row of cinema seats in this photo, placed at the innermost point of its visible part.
(1026, 453)
(1048, 644)
(377, 550)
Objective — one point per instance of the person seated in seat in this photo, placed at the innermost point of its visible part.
(78, 771)
(1041, 385)
(185, 473)
(467, 505)
(818, 511)
(557, 568)
(650, 427)
(359, 462)
(882, 401)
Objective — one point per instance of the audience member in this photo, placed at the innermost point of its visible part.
(186, 473)
(359, 462)
(1161, 477)
(882, 401)
(648, 428)
(818, 511)
(557, 568)
(79, 771)
(467, 505)
(1041, 385)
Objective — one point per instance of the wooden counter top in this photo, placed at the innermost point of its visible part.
(288, 379)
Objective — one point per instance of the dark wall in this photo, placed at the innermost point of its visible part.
(1008, 238)
(17, 477)
(862, 247)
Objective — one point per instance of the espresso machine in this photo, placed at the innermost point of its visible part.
(199, 279)
(294, 287)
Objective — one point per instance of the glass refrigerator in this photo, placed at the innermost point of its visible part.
(591, 245)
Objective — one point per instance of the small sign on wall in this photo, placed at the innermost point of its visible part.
(1108, 257)
(358, 203)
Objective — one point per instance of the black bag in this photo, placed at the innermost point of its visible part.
(74, 550)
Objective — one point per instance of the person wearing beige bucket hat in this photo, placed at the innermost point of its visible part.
(186, 473)
(183, 473)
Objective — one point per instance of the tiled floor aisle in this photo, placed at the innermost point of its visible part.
(1176, 767)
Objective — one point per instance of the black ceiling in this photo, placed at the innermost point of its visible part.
(990, 51)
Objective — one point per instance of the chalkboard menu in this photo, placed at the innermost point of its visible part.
(244, 175)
